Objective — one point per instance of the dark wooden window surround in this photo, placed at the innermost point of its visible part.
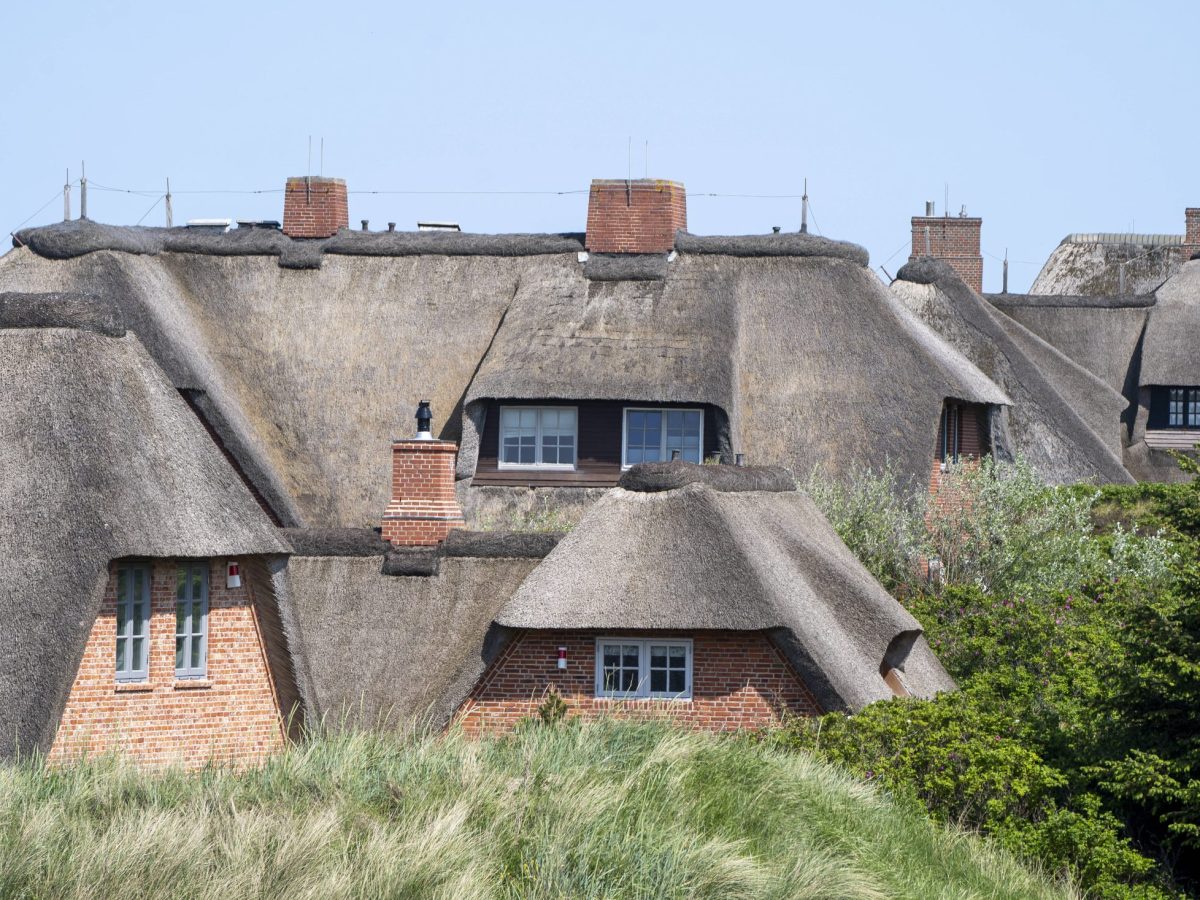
(962, 432)
(599, 444)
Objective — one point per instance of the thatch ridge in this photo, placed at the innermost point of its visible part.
(1071, 301)
(102, 460)
(781, 244)
(669, 476)
(697, 559)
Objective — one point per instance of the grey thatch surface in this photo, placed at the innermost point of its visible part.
(1102, 337)
(411, 561)
(698, 558)
(667, 476)
(1093, 269)
(625, 267)
(102, 460)
(790, 244)
(1042, 301)
(451, 243)
(61, 310)
(1063, 419)
(1171, 350)
(336, 541)
(375, 650)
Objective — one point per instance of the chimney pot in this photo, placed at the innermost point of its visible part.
(365, 223)
(424, 420)
(391, 226)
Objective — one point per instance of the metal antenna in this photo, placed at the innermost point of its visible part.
(1005, 290)
(168, 199)
(946, 208)
(83, 191)
(67, 198)
(804, 211)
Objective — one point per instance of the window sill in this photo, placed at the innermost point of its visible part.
(672, 698)
(133, 687)
(191, 684)
(516, 467)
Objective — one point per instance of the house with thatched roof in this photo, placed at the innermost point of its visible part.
(198, 424)
(1098, 359)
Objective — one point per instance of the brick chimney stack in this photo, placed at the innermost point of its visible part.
(1191, 235)
(635, 216)
(955, 241)
(314, 207)
(423, 508)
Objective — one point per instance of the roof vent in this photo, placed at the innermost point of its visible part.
(268, 224)
(438, 226)
(218, 226)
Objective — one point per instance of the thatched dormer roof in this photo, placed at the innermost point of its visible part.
(1171, 350)
(701, 557)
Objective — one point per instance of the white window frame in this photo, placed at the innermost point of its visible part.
(662, 440)
(537, 445)
(136, 629)
(190, 669)
(643, 691)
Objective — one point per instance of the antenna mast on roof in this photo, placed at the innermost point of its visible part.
(83, 191)
(946, 208)
(168, 199)
(67, 198)
(804, 210)
(1005, 291)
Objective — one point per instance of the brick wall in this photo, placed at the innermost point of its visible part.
(740, 680)
(233, 715)
(315, 207)
(1191, 236)
(971, 446)
(639, 216)
(953, 240)
(423, 508)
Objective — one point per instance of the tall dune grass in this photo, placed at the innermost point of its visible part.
(601, 810)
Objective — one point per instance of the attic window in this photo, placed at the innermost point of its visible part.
(538, 437)
(133, 623)
(637, 668)
(1183, 408)
(651, 435)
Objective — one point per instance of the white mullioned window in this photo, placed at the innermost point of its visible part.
(133, 623)
(631, 668)
(538, 437)
(650, 435)
(191, 620)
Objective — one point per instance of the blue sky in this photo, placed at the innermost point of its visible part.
(1043, 118)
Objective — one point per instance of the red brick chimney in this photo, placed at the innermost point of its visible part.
(952, 239)
(635, 216)
(1191, 235)
(423, 507)
(314, 207)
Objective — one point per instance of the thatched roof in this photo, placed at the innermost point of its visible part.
(1088, 265)
(699, 558)
(1102, 334)
(1169, 352)
(372, 649)
(102, 460)
(790, 336)
(1063, 419)
(301, 373)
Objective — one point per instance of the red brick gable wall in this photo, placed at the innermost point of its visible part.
(741, 680)
(233, 715)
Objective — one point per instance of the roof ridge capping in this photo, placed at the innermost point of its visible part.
(927, 270)
(670, 476)
(791, 243)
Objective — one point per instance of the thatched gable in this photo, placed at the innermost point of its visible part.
(1089, 265)
(102, 460)
(1063, 419)
(699, 557)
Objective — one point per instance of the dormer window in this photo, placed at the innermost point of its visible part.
(538, 437)
(1174, 407)
(652, 435)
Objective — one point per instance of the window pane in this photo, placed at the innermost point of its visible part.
(197, 583)
(612, 655)
(527, 448)
(180, 644)
(510, 418)
(122, 584)
(122, 644)
(181, 580)
(138, 660)
(628, 680)
(528, 419)
(678, 657)
(658, 657)
(197, 660)
(678, 679)
(181, 623)
(658, 681)
(139, 623)
(122, 618)
(629, 656)
(511, 451)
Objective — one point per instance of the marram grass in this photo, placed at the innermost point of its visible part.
(604, 810)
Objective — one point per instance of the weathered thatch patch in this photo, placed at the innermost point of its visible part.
(61, 310)
(668, 476)
(1169, 353)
